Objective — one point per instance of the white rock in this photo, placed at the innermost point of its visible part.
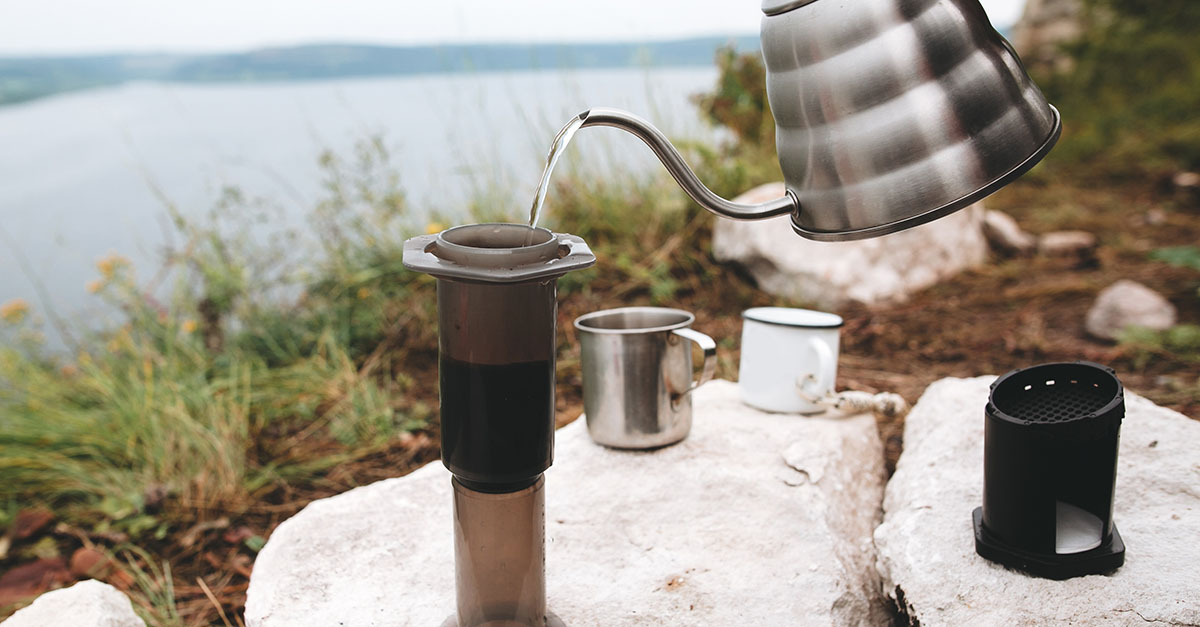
(755, 518)
(88, 603)
(1186, 180)
(1067, 244)
(926, 542)
(828, 274)
(1005, 235)
(1128, 304)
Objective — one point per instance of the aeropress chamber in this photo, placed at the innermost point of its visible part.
(1051, 434)
(497, 318)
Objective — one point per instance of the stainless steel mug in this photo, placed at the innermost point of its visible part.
(637, 374)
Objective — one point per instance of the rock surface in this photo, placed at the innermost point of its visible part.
(1079, 244)
(754, 519)
(828, 274)
(86, 604)
(926, 542)
(1005, 235)
(1128, 304)
(1186, 180)
(1044, 27)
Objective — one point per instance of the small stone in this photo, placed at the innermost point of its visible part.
(927, 547)
(1156, 217)
(1186, 180)
(85, 604)
(1079, 244)
(1127, 304)
(830, 274)
(1005, 235)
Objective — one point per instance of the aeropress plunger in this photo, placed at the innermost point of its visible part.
(1051, 434)
(497, 315)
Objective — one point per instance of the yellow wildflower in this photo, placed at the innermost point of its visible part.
(14, 310)
(434, 227)
(94, 286)
(109, 265)
(189, 326)
(363, 293)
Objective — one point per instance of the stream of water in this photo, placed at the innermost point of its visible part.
(557, 148)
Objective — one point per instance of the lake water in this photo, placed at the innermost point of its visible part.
(78, 171)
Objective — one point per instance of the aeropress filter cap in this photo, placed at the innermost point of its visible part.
(1049, 468)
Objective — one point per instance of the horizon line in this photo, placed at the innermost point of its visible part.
(11, 55)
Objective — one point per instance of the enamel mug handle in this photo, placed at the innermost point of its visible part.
(823, 376)
(709, 347)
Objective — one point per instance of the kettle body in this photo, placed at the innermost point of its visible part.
(888, 114)
(891, 113)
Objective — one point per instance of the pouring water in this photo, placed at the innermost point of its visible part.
(557, 148)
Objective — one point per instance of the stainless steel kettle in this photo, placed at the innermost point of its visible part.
(888, 114)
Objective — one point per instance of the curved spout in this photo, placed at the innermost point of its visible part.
(670, 157)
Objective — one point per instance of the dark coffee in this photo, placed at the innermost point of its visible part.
(497, 422)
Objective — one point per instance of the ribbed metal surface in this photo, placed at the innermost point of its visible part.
(890, 113)
(774, 7)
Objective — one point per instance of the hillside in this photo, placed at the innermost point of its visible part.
(27, 78)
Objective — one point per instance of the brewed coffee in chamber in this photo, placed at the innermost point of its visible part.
(497, 422)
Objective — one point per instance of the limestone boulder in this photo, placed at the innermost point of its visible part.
(88, 603)
(829, 274)
(1127, 304)
(926, 543)
(754, 519)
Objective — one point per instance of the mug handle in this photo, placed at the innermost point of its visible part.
(709, 347)
(825, 370)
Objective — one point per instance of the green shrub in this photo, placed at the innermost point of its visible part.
(205, 402)
(1129, 98)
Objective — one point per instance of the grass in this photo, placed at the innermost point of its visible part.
(226, 397)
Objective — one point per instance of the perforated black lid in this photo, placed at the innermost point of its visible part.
(1056, 393)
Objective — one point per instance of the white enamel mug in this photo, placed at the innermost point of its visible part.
(789, 358)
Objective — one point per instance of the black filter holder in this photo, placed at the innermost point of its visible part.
(1049, 467)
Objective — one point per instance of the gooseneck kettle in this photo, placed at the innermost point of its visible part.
(888, 114)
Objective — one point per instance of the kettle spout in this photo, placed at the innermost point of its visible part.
(670, 157)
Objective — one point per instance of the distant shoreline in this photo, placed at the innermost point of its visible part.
(23, 79)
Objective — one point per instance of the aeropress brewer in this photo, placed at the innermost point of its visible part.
(497, 314)
(1051, 434)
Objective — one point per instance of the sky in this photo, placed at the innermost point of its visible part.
(62, 27)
